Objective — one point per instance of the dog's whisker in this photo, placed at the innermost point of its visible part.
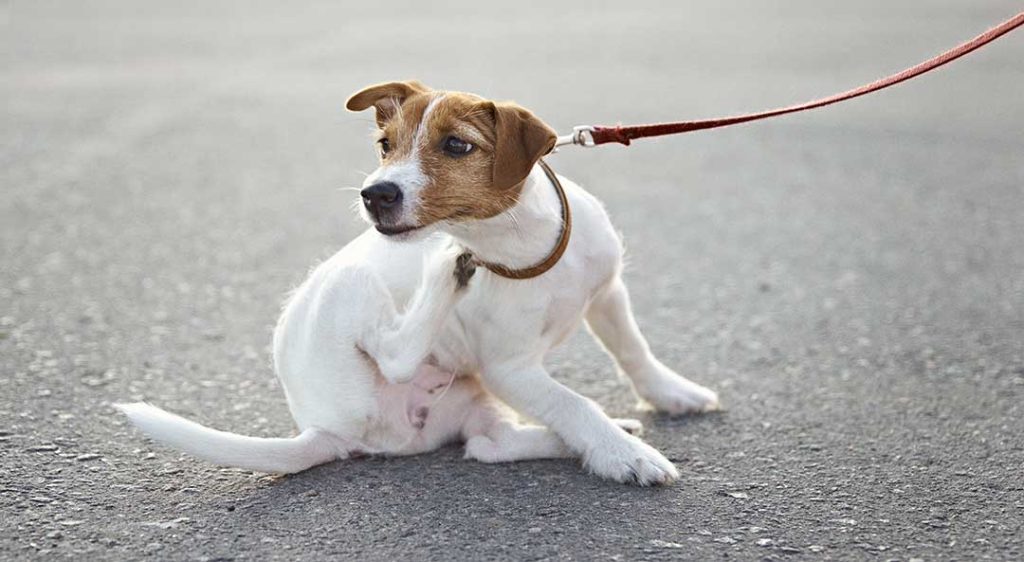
(355, 206)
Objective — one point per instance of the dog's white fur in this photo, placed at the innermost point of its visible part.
(362, 377)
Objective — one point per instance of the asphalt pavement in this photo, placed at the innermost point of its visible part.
(850, 280)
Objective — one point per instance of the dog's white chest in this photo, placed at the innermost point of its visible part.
(501, 320)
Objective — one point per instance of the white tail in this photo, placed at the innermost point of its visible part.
(280, 455)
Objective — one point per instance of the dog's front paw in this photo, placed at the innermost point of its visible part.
(465, 267)
(631, 461)
(673, 394)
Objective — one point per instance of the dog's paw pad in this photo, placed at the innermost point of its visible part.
(465, 267)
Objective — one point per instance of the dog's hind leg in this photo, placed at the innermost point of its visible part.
(610, 319)
(515, 442)
(401, 343)
(509, 442)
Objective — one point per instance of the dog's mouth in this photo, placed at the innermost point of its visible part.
(396, 230)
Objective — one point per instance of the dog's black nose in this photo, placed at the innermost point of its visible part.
(381, 197)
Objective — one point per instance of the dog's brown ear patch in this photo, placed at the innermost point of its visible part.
(521, 138)
(386, 98)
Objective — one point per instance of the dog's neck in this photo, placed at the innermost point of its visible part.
(523, 235)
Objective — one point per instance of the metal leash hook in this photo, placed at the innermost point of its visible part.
(582, 135)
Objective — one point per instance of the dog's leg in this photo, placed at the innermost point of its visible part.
(610, 318)
(401, 344)
(510, 442)
(493, 434)
(514, 442)
(606, 449)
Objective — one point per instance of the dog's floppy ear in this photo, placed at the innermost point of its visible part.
(385, 98)
(521, 138)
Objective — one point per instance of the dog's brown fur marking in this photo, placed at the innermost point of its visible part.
(508, 140)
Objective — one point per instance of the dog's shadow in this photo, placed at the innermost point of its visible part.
(441, 493)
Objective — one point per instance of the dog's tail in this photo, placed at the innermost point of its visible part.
(280, 455)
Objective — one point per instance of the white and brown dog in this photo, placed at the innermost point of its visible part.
(458, 174)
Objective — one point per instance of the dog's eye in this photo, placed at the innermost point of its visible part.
(454, 146)
(385, 147)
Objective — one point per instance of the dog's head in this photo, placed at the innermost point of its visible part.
(445, 156)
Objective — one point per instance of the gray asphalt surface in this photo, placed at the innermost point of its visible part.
(851, 280)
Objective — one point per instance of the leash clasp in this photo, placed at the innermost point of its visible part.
(581, 135)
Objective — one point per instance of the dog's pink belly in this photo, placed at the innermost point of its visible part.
(406, 406)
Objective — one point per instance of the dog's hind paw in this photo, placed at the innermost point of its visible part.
(481, 448)
(629, 425)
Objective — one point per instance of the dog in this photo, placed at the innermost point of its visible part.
(432, 326)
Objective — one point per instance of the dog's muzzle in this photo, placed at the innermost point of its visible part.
(382, 200)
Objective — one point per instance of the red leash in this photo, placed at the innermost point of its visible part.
(595, 135)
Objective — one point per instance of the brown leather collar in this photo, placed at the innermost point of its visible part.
(560, 246)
